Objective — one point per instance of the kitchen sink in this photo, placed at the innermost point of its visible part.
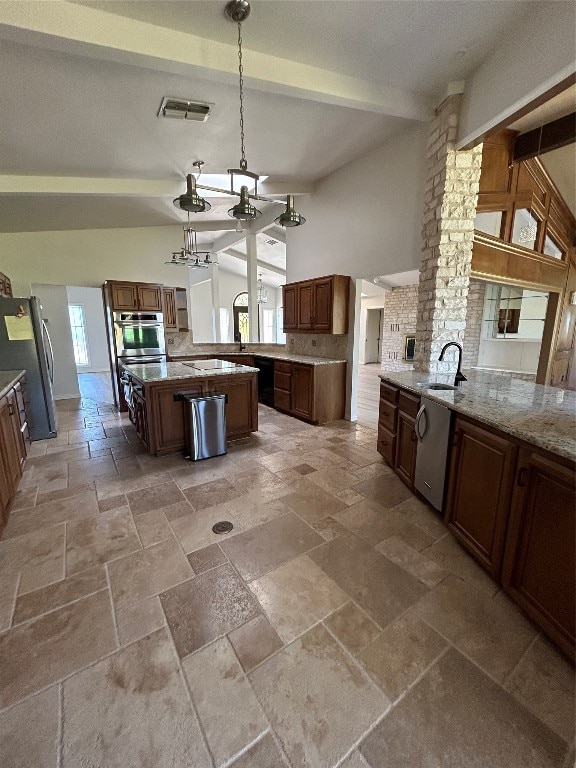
(437, 385)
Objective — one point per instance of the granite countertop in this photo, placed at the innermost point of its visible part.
(542, 416)
(152, 372)
(290, 358)
(8, 379)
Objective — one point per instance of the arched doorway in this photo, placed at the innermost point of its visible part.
(241, 323)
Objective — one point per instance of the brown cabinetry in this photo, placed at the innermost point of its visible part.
(539, 561)
(396, 435)
(5, 285)
(317, 306)
(479, 491)
(169, 308)
(302, 391)
(143, 297)
(315, 393)
(160, 419)
(12, 447)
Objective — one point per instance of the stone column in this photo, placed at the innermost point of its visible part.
(448, 227)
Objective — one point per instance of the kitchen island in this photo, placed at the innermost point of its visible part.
(510, 493)
(159, 418)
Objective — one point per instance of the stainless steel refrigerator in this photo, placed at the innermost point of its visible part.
(25, 345)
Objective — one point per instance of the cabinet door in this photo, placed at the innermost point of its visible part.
(479, 492)
(290, 304)
(242, 403)
(322, 314)
(124, 296)
(303, 391)
(169, 301)
(305, 305)
(386, 445)
(182, 310)
(5, 492)
(140, 417)
(11, 441)
(406, 443)
(539, 561)
(149, 297)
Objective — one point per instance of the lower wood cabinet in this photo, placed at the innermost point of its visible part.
(12, 448)
(479, 491)
(397, 440)
(315, 393)
(242, 403)
(539, 559)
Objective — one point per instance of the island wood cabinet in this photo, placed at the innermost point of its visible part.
(539, 558)
(397, 441)
(314, 393)
(13, 430)
(317, 306)
(159, 419)
(480, 486)
(142, 297)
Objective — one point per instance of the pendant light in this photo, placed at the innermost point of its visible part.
(262, 292)
(237, 11)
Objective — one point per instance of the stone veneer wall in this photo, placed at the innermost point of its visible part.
(474, 314)
(398, 319)
(448, 228)
(318, 345)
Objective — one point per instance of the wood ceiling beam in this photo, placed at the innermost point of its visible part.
(559, 133)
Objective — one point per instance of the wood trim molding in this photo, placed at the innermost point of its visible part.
(553, 135)
(496, 261)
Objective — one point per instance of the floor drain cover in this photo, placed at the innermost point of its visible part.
(223, 527)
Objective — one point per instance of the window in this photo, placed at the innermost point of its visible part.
(552, 249)
(280, 335)
(224, 324)
(268, 321)
(78, 328)
(241, 325)
(489, 222)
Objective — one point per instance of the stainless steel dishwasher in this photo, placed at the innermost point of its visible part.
(433, 432)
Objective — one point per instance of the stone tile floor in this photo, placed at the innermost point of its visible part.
(339, 624)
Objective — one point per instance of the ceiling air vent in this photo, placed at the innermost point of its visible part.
(271, 242)
(184, 110)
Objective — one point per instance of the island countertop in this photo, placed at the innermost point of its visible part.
(286, 356)
(155, 372)
(542, 416)
(8, 379)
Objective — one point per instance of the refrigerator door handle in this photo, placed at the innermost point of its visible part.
(419, 416)
(50, 348)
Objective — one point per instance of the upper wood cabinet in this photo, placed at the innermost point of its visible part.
(317, 306)
(169, 303)
(144, 297)
(290, 302)
(5, 285)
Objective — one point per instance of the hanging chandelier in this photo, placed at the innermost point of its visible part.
(262, 292)
(189, 255)
(237, 11)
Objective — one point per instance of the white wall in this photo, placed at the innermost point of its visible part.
(365, 219)
(526, 64)
(54, 300)
(89, 257)
(201, 312)
(509, 354)
(91, 300)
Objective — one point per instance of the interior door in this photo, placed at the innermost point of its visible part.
(372, 341)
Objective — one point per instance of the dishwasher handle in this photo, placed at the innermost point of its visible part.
(419, 416)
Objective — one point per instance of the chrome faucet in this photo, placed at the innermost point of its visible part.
(459, 378)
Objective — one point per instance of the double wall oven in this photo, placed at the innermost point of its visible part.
(139, 337)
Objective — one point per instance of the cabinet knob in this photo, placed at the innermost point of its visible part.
(10, 409)
(522, 472)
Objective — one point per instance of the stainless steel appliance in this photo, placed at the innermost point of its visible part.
(25, 345)
(139, 335)
(205, 426)
(433, 431)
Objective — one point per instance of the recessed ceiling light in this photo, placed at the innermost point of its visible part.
(181, 109)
